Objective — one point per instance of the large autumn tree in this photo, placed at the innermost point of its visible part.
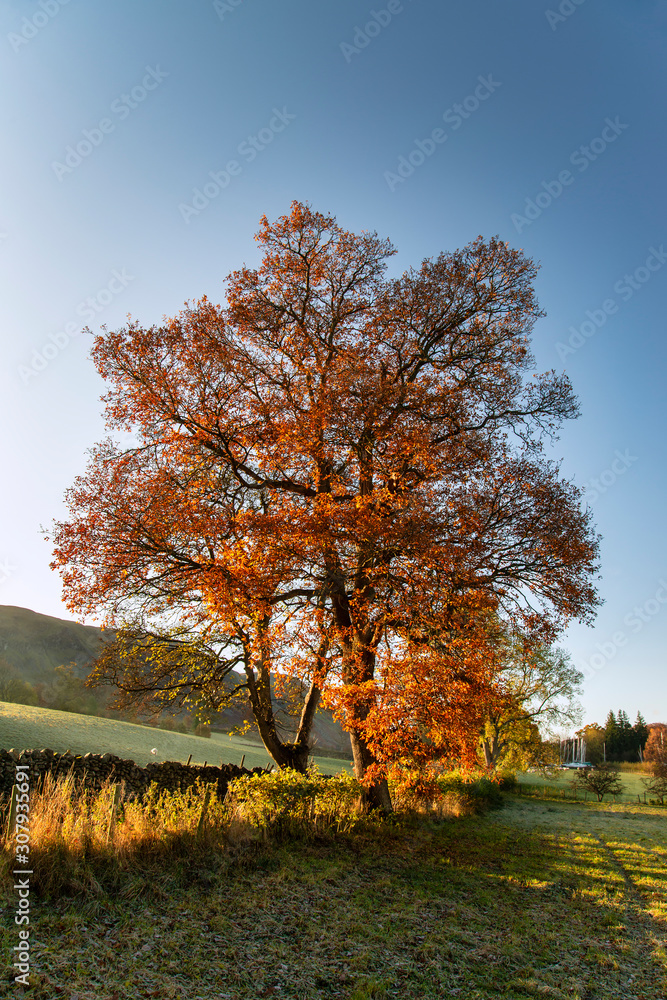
(346, 466)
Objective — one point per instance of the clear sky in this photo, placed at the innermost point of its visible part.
(142, 141)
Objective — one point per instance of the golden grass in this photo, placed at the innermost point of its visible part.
(84, 842)
(538, 899)
(89, 843)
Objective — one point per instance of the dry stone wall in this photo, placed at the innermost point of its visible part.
(92, 770)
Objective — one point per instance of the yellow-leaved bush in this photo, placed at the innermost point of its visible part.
(287, 803)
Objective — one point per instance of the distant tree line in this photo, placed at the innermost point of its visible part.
(618, 740)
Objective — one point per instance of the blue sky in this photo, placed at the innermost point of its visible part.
(114, 115)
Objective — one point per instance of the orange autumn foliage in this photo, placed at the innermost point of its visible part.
(353, 464)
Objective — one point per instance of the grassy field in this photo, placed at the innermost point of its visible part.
(630, 780)
(543, 898)
(538, 899)
(25, 727)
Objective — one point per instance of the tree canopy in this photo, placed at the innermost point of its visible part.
(342, 472)
(536, 688)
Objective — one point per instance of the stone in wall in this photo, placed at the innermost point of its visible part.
(92, 770)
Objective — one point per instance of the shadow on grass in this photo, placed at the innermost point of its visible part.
(524, 902)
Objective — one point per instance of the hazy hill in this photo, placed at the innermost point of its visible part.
(34, 645)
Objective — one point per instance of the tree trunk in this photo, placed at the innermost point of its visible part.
(375, 796)
(286, 755)
(488, 759)
(304, 730)
(358, 667)
(491, 752)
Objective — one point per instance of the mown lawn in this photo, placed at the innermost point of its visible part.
(533, 900)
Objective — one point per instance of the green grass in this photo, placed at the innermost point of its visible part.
(630, 780)
(540, 899)
(26, 727)
(535, 900)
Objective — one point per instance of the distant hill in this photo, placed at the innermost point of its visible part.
(34, 645)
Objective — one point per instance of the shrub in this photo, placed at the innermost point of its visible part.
(286, 803)
(601, 780)
(656, 783)
(413, 789)
(454, 793)
(507, 781)
(473, 792)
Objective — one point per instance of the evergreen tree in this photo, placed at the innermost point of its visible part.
(623, 721)
(625, 744)
(623, 740)
(641, 732)
(611, 736)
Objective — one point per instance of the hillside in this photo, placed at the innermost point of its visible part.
(34, 645)
(25, 727)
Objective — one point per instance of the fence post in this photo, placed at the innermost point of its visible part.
(114, 810)
(204, 808)
(12, 812)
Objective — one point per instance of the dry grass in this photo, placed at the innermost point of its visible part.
(80, 843)
(535, 900)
